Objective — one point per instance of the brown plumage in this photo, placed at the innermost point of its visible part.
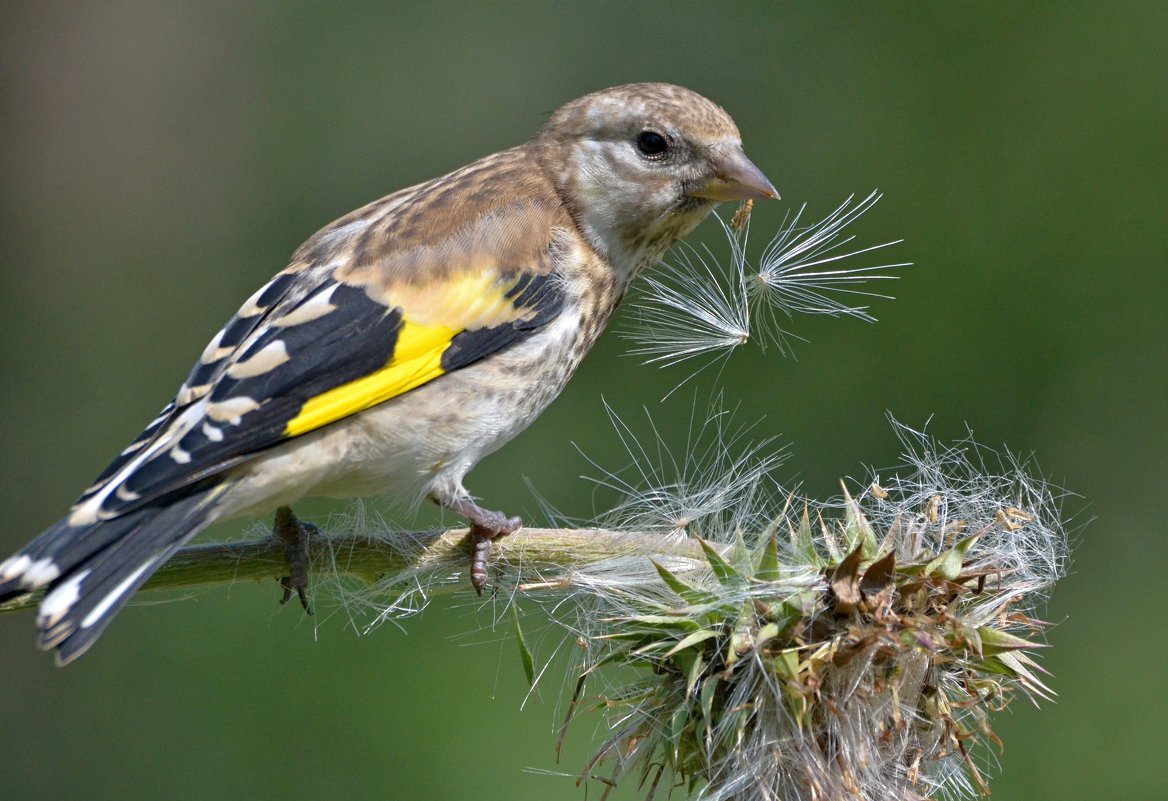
(403, 343)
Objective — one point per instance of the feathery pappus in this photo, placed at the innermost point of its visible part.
(402, 344)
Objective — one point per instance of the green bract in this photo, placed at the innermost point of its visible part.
(831, 659)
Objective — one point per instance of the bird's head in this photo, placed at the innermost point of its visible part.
(641, 165)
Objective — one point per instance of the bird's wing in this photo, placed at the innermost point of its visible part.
(353, 322)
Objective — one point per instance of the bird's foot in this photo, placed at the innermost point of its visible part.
(295, 535)
(485, 526)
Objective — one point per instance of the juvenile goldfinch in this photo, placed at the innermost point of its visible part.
(402, 344)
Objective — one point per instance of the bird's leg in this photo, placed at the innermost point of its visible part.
(485, 526)
(294, 535)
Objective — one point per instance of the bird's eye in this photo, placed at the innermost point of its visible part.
(652, 144)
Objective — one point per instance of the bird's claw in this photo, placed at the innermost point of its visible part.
(485, 526)
(295, 535)
(480, 542)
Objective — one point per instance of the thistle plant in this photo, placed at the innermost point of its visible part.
(853, 649)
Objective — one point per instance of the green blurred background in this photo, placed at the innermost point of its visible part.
(160, 161)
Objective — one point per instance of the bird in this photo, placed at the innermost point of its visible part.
(401, 344)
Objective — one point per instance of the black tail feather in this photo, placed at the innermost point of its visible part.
(95, 569)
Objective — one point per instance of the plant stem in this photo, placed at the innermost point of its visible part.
(368, 557)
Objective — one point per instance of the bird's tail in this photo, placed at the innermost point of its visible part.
(89, 571)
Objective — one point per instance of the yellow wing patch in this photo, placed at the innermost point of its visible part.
(417, 358)
(432, 316)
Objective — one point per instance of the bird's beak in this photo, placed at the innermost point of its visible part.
(735, 178)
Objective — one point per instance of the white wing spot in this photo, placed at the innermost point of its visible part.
(251, 306)
(13, 566)
(213, 433)
(230, 410)
(268, 358)
(314, 308)
(213, 353)
(58, 602)
(125, 494)
(89, 511)
(179, 455)
(40, 573)
(190, 394)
